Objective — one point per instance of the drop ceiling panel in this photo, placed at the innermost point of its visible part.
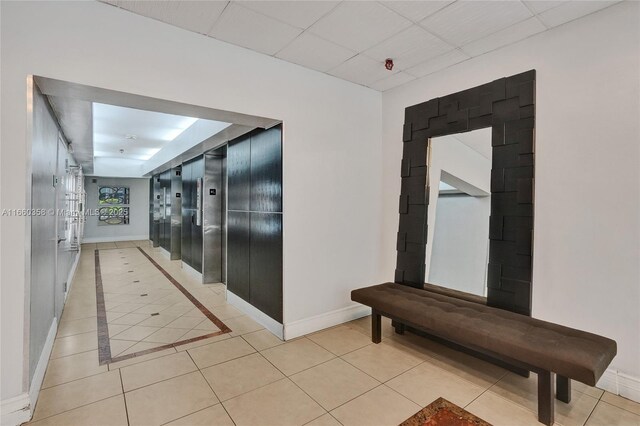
(410, 47)
(416, 11)
(571, 10)
(351, 39)
(539, 6)
(392, 81)
(362, 70)
(504, 37)
(247, 28)
(439, 63)
(359, 25)
(313, 52)
(198, 16)
(462, 22)
(301, 14)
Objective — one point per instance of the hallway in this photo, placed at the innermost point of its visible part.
(178, 367)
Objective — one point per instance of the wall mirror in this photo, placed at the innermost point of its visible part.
(502, 111)
(457, 255)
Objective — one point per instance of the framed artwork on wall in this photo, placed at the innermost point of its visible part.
(113, 205)
(113, 195)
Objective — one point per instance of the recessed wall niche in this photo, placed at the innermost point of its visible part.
(507, 105)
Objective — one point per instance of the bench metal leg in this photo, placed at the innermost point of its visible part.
(376, 327)
(563, 388)
(545, 398)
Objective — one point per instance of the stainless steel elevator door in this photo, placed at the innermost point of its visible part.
(191, 233)
(213, 218)
(165, 210)
(176, 212)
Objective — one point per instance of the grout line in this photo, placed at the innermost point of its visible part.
(36, 422)
(160, 381)
(591, 412)
(289, 377)
(76, 379)
(146, 360)
(76, 353)
(482, 393)
(202, 409)
(124, 397)
(373, 388)
(617, 406)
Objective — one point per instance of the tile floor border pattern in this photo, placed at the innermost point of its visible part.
(222, 326)
(104, 346)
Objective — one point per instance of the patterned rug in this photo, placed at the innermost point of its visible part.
(443, 413)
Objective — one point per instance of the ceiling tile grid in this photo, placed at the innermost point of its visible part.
(314, 52)
(504, 37)
(409, 47)
(466, 21)
(362, 70)
(301, 14)
(197, 16)
(352, 39)
(439, 63)
(359, 25)
(248, 28)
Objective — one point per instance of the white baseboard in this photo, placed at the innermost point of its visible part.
(629, 387)
(15, 411)
(165, 253)
(18, 409)
(41, 367)
(326, 320)
(609, 381)
(114, 239)
(257, 315)
(619, 383)
(197, 275)
(72, 273)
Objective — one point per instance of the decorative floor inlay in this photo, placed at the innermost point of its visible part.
(443, 413)
(142, 308)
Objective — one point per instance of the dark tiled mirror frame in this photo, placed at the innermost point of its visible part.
(507, 106)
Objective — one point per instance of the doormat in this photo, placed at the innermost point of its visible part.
(443, 413)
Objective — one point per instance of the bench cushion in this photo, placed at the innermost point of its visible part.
(565, 351)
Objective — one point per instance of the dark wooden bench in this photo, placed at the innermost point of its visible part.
(538, 346)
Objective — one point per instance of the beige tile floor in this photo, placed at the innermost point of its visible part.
(145, 310)
(249, 377)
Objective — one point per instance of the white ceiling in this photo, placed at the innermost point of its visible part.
(140, 134)
(352, 39)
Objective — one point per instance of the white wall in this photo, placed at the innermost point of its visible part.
(471, 171)
(460, 243)
(331, 143)
(138, 227)
(586, 270)
(456, 252)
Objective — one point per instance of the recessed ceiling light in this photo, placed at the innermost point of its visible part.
(131, 137)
